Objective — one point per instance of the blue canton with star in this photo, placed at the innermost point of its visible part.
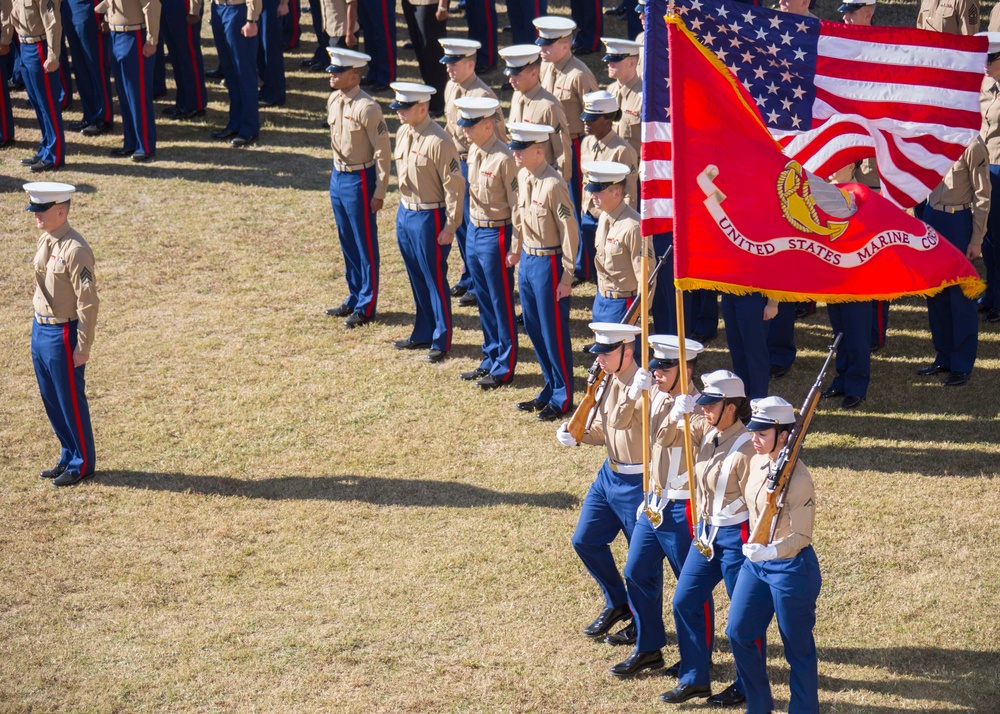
(772, 53)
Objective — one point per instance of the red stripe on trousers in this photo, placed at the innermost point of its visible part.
(440, 277)
(567, 377)
(389, 45)
(52, 105)
(598, 24)
(142, 93)
(507, 297)
(368, 241)
(745, 531)
(708, 623)
(490, 49)
(3, 114)
(199, 103)
(76, 405)
(102, 68)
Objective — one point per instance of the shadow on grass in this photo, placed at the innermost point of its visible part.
(365, 489)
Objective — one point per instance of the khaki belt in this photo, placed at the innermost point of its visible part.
(611, 294)
(421, 206)
(489, 224)
(31, 40)
(464, 157)
(46, 320)
(620, 468)
(230, 2)
(543, 251)
(351, 168)
(953, 209)
(126, 28)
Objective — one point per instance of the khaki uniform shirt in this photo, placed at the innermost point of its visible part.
(618, 423)
(708, 467)
(641, 37)
(335, 17)
(795, 521)
(568, 80)
(989, 101)
(967, 183)
(545, 213)
(358, 134)
(959, 17)
(994, 22)
(133, 12)
(33, 18)
(427, 169)
(492, 182)
(536, 106)
(668, 463)
(629, 127)
(618, 251)
(473, 87)
(65, 285)
(611, 148)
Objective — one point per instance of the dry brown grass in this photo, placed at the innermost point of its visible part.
(292, 517)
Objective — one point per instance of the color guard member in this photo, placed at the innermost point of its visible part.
(135, 31)
(430, 211)
(548, 237)
(39, 31)
(780, 578)
(610, 505)
(460, 61)
(622, 59)
(958, 208)
(361, 163)
(62, 333)
(669, 533)
(600, 110)
(959, 17)
(721, 470)
(492, 219)
(618, 240)
(532, 104)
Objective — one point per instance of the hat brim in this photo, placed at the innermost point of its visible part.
(462, 121)
(596, 187)
(591, 116)
(516, 145)
(615, 58)
(546, 41)
(639, 9)
(756, 424)
(39, 207)
(706, 399)
(452, 59)
(602, 349)
(847, 7)
(402, 105)
(511, 71)
(337, 69)
(655, 364)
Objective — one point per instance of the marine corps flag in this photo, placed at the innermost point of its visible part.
(749, 219)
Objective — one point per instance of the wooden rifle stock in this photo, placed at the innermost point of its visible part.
(583, 416)
(777, 479)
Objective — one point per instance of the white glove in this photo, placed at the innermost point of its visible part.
(642, 381)
(564, 437)
(757, 552)
(683, 404)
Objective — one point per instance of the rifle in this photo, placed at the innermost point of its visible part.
(585, 412)
(788, 458)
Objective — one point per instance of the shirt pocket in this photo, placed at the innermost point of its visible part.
(487, 189)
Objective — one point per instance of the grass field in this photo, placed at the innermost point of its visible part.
(291, 517)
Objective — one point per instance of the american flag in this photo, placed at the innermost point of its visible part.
(831, 94)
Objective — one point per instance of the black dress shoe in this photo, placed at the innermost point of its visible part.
(121, 152)
(304, 63)
(187, 116)
(982, 306)
(458, 291)
(468, 300)
(265, 104)
(992, 315)
(223, 134)
(549, 413)
(532, 405)
(97, 129)
(728, 697)
(356, 319)
(410, 345)
(67, 478)
(216, 73)
(40, 166)
(367, 81)
(474, 374)
(78, 125)
(851, 402)
(957, 379)
(805, 310)
(609, 617)
(703, 339)
(683, 692)
(932, 369)
(636, 662)
(52, 473)
(673, 670)
(586, 348)
(490, 382)
(408, 45)
(240, 141)
(778, 372)
(436, 355)
(342, 311)
(624, 636)
(378, 87)
(141, 157)
(29, 162)
(830, 393)
(582, 51)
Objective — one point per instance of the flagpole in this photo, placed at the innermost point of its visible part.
(644, 336)
(688, 449)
